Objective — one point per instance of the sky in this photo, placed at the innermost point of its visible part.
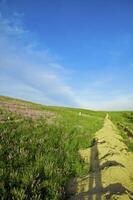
(74, 53)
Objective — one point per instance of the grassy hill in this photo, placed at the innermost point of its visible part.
(39, 147)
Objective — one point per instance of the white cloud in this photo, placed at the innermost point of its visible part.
(29, 73)
(33, 74)
(116, 104)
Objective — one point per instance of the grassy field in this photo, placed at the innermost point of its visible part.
(124, 122)
(39, 148)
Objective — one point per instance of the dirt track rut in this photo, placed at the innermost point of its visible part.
(111, 168)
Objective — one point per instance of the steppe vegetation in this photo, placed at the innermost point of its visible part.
(39, 148)
(124, 123)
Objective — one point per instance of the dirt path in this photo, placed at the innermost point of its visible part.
(111, 168)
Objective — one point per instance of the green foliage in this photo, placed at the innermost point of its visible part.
(36, 158)
(121, 120)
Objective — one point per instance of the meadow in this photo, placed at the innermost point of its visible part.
(39, 148)
(124, 123)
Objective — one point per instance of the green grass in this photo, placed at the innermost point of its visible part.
(126, 120)
(37, 159)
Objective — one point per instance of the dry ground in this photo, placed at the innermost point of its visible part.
(111, 168)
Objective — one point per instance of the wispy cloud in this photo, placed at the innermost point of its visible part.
(31, 73)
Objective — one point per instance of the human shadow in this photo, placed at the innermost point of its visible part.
(95, 181)
(110, 163)
(95, 187)
(109, 191)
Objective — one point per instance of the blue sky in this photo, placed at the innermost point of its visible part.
(76, 53)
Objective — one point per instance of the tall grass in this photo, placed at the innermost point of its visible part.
(126, 120)
(37, 159)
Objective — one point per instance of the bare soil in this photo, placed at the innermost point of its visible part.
(110, 168)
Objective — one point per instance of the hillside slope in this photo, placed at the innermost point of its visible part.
(39, 148)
